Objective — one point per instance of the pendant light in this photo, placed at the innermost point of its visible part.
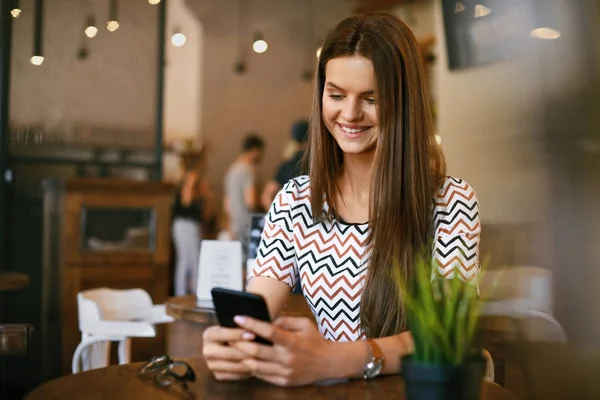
(16, 9)
(38, 13)
(91, 30)
(113, 23)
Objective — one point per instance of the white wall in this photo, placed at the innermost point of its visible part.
(183, 84)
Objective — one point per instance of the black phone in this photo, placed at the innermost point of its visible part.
(229, 303)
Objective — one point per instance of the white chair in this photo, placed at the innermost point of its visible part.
(109, 315)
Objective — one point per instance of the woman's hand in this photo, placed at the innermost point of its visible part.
(299, 354)
(222, 358)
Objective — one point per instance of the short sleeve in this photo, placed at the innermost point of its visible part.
(457, 230)
(276, 257)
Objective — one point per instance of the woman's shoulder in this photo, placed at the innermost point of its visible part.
(454, 189)
(297, 188)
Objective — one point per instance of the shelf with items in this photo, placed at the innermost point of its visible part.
(82, 145)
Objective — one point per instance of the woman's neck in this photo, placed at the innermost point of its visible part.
(355, 179)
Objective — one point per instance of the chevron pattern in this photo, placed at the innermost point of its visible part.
(330, 258)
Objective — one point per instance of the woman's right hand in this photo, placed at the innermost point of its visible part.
(225, 361)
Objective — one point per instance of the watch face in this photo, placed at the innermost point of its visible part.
(373, 368)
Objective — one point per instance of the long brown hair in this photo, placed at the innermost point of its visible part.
(408, 166)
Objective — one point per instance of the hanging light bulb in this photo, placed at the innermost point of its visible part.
(16, 9)
(178, 39)
(37, 58)
(481, 11)
(112, 24)
(259, 45)
(545, 33)
(153, 2)
(91, 30)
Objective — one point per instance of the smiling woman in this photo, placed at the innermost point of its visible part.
(376, 199)
(349, 109)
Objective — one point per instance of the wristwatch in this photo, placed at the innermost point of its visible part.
(375, 364)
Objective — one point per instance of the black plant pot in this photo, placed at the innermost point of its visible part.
(443, 382)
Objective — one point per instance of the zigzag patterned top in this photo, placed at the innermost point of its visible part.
(328, 257)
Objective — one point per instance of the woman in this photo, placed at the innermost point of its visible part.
(376, 193)
(193, 204)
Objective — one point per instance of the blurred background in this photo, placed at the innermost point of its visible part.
(128, 90)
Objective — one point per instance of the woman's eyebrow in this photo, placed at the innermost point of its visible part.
(333, 85)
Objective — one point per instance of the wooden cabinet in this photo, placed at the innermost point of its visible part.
(116, 234)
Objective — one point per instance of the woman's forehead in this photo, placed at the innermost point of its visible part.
(350, 73)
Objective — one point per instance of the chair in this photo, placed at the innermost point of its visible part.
(109, 315)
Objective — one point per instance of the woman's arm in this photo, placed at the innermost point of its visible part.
(274, 291)
(300, 355)
(350, 358)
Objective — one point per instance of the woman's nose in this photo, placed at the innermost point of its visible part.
(351, 111)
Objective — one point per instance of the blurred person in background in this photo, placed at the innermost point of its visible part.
(290, 168)
(193, 206)
(241, 192)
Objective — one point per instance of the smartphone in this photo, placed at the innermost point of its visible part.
(229, 303)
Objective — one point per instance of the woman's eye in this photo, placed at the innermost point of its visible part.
(336, 96)
(370, 100)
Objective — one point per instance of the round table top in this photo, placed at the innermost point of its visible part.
(121, 382)
(13, 281)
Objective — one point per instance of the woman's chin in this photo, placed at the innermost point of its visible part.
(357, 148)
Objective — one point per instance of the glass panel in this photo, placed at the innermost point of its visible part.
(118, 229)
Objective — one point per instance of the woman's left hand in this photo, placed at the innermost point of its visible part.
(299, 354)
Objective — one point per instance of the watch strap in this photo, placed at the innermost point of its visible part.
(376, 352)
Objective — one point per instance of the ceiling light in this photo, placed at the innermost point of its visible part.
(16, 9)
(91, 30)
(545, 33)
(178, 39)
(113, 23)
(38, 13)
(259, 45)
(318, 52)
(37, 60)
(153, 2)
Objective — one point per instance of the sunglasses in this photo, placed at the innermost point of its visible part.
(166, 371)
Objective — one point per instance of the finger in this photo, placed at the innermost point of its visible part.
(220, 334)
(293, 323)
(222, 376)
(256, 350)
(217, 352)
(274, 379)
(226, 367)
(265, 330)
(267, 368)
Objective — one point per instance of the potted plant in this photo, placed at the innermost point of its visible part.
(442, 316)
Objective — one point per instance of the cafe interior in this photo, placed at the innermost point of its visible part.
(103, 102)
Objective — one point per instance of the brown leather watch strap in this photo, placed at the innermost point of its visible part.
(375, 349)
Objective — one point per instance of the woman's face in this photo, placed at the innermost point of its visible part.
(349, 103)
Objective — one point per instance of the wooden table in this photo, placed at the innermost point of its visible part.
(13, 281)
(121, 382)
